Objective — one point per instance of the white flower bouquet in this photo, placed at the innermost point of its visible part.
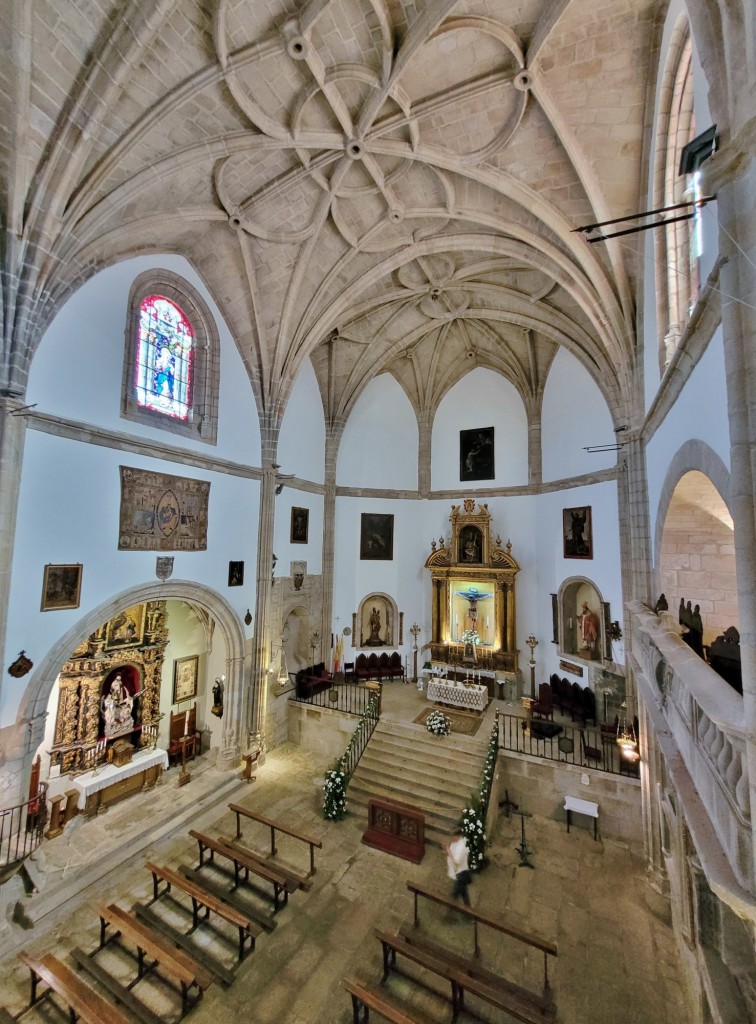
(471, 636)
(438, 723)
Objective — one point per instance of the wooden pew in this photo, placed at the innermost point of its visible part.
(6, 1017)
(393, 944)
(140, 1013)
(295, 879)
(80, 999)
(282, 886)
(274, 826)
(200, 897)
(366, 997)
(176, 965)
(480, 917)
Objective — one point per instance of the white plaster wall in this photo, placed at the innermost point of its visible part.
(603, 570)
(186, 637)
(312, 551)
(77, 371)
(700, 412)
(650, 330)
(574, 415)
(379, 444)
(481, 399)
(68, 513)
(301, 442)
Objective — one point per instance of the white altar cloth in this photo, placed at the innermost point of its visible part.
(474, 696)
(89, 783)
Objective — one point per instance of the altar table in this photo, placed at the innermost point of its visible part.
(472, 696)
(110, 783)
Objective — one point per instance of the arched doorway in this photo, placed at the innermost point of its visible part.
(697, 554)
(226, 657)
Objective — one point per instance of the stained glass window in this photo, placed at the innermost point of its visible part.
(163, 373)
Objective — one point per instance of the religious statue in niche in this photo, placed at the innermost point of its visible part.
(376, 622)
(469, 545)
(116, 707)
(589, 630)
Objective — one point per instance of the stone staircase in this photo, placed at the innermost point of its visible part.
(434, 774)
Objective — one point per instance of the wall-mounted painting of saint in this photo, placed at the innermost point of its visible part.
(476, 454)
(235, 574)
(300, 525)
(377, 536)
(577, 528)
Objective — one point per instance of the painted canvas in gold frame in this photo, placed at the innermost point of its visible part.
(126, 629)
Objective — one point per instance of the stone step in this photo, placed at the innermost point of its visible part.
(462, 766)
(438, 826)
(427, 784)
(421, 738)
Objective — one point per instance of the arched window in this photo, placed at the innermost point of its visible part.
(172, 357)
(678, 243)
(164, 363)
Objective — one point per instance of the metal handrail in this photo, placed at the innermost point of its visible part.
(567, 746)
(22, 828)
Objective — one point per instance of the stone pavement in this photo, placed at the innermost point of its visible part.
(617, 963)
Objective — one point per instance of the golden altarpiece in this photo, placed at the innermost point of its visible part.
(129, 648)
(473, 599)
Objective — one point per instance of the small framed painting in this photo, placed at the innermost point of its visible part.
(235, 574)
(476, 454)
(61, 587)
(185, 673)
(377, 536)
(300, 525)
(126, 629)
(577, 530)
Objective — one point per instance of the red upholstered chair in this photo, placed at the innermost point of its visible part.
(590, 753)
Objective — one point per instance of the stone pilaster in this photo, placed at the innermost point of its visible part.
(12, 439)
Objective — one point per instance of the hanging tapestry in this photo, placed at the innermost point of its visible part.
(161, 512)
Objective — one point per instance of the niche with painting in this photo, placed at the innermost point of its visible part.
(582, 620)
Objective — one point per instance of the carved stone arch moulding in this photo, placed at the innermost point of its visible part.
(583, 620)
(473, 591)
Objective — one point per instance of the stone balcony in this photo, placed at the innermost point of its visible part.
(703, 724)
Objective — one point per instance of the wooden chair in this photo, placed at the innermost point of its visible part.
(183, 723)
(349, 673)
(590, 753)
(589, 705)
(544, 706)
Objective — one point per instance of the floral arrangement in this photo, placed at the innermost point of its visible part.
(334, 793)
(471, 636)
(473, 824)
(473, 829)
(438, 723)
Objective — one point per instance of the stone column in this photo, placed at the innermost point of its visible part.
(425, 428)
(12, 439)
(737, 243)
(234, 722)
(333, 438)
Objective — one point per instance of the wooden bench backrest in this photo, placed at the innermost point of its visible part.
(213, 903)
(232, 852)
(384, 1003)
(91, 1007)
(174, 961)
(178, 726)
(254, 816)
(493, 922)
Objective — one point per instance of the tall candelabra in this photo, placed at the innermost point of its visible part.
(415, 630)
(532, 644)
(314, 641)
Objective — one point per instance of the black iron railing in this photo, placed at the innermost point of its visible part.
(347, 698)
(586, 747)
(22, 828)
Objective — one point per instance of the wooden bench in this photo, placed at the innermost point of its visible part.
(367, 997)
(393, 944)
(282, 886)
(471, 976)
(295, 879)
(202, 898)
(6, 1017)
(140, 1013)
(176, 965)
(274, 826)
(80, 999)
(480, 917)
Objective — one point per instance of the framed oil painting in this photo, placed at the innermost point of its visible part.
(577, 531)
(235, 574)
(61, 587)
(300, 525)
(476, 454)
(126, 629)
(377, 537)
(185, 673)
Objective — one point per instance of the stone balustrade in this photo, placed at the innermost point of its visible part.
(705, 718)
